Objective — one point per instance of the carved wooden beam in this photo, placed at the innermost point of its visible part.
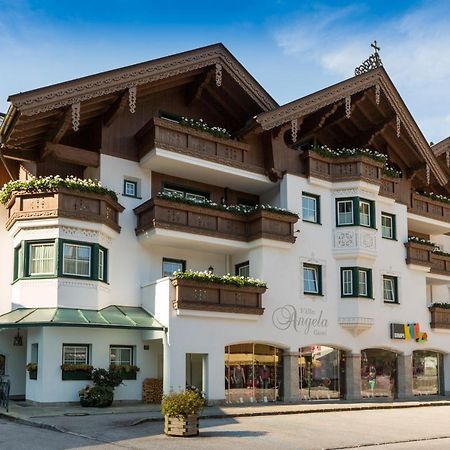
(234, 109)
(19, 154)
(367, 137)
(195, 91)
(61, 128)
(115, 109)
(72, 155)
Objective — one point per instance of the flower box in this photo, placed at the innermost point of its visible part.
(181, 426)
(75, 375)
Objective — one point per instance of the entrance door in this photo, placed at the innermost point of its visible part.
(196, 369)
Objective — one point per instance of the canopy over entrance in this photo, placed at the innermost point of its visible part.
(125, 317)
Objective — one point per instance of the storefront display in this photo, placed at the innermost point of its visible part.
(378, 373)
(253, 373)
(426, 372)
(320, 370)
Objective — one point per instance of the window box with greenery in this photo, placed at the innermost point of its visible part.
(181, 410)
(310, 208)
(390, 289)
(60, 258)
(312, 279)
(356, 282)
(126, 371)
(32, 369)
(121, 358)
(357, 211)
(76, 371)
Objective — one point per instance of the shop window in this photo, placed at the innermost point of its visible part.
(388, 230)
(76, 260)
(427, 372)
(390, 289)
(253, 373)
(310, 208)
(42, 259)
(170, 266)
(121, 355)
(312, 279)
(242, 269)
(356, 282)
(378, 373)
(2, 365)
(355, 211)
(75, 354)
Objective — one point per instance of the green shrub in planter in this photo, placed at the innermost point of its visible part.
(182, 404)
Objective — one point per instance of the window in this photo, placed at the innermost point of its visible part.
(347, 282)
(77, 260)
(75, 354)
(356, 282)
(101, 264)
(120, 355)
(345, 212)
(387, 226)
(310, 208)
(390, 293)
(169, 266)
(312, 279)
(42, 259)
(130, 188)
(364, 213)
(190, 194)
(242, 269)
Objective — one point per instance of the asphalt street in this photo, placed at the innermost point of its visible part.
(414, 428)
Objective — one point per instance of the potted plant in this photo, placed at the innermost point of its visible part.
(76, 371)
(32, 370)
(126, 371)
(181, 411)
(101, 394)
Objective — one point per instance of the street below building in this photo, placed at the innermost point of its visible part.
(411, 428)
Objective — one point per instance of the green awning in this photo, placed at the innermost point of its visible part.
(126, 317)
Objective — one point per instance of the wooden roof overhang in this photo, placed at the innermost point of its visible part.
(211, 74)
(371, 124)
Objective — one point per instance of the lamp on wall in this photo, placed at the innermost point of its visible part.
(18, 339)
(210, 269)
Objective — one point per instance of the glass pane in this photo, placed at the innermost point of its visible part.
(170, 267)
(345, 212)
(425, 373)
(378, 373)
(362, 282)
(121, 356)
(101, 264)
(76, 260)
(386, 226)
(364, 213)
(347, 283)
(130, 188)
(310, 280)
(388, 289)
(42, 259)
(309, 205)
(244, 271)
(75, 354)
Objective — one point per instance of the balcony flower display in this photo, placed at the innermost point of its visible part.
(418, 240)
(199, 124)
(391, 172)
(208, 277)
(433, 196)
(53, 182)
(234, 209)
(327, 152)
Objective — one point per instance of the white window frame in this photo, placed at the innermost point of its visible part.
(77, 260)
(195, 197)
(41, 261)
(172, 261)
(121, 362)
(245, 268)
(383, 227)
(76, 349)
(347, 282)
(314, 280)
(129, 183)
(309, 198)
(363, 287)
(340, 222)
(363, 215)
(391, 281)
(101, 264)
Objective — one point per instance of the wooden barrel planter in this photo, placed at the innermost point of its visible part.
(181, 426)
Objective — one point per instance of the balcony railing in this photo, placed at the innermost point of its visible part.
(440, 318)
(343, 169)
(196, 295)
(171, 215)
(425, 206)
(423, 255)
(160, 133)
(62, 202)
(389, 186)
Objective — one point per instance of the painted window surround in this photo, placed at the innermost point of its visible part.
(22, 261)
(355, 282)
(356, 203)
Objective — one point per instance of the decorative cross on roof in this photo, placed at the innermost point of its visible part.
(370, 63)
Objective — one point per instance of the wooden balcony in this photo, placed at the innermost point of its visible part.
(389, 186)
(440, 318)
(201, 296)
(164, 134)
(172, 215)
(62, 202)
(423, 255)
(425, 206)
(343, 169)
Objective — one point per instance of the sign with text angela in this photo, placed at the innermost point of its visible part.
(408, 331)
(305, 320)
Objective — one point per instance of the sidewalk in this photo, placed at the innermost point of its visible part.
(40, 416)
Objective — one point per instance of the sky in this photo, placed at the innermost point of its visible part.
(292, 47)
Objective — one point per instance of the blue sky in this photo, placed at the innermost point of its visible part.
(292, 48)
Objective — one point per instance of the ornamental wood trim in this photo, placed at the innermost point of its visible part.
(177, 216)
(67, 203)
(389, 186)
(203, 296)
(440, 318)
(160, 133)
(425, 206)
(418, 254)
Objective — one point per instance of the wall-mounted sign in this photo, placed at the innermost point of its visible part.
(408, 331)
(305, 320)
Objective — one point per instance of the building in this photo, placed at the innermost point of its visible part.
(353, 247)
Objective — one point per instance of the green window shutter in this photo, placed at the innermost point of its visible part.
(396, 296)
(318, 209)
(94, 261)
(369, 283)
(319, 279)
(59, 256)
(355, 280)
(394, 227)
(373, 217)
(26, 259)
(16, 263)
(356, 212)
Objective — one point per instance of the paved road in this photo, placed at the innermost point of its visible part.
(398, 429)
